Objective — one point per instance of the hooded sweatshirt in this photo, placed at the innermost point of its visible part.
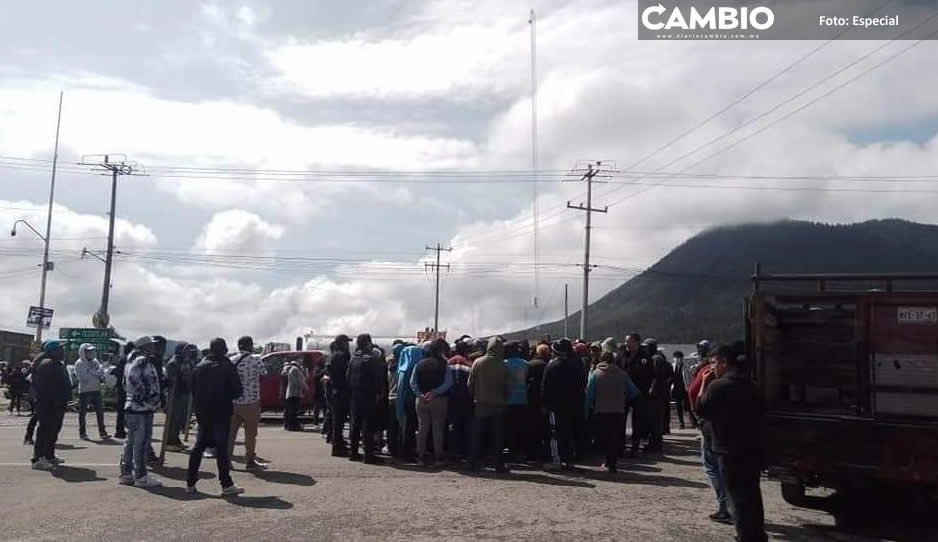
(142, 384)
(296, 380)
(215, 384)
(607, 390)
(50, 383)
(87, 370)
(489, 379)
(406, 364)
(392, 371)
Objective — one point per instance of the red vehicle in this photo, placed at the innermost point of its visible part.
(848, 371)
(271, 384)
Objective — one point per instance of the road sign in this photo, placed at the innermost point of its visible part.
(37, 315)
(74, 337)
(85, 333)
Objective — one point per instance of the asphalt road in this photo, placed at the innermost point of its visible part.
(308, 495)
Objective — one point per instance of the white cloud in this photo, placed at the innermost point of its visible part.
(239, 232)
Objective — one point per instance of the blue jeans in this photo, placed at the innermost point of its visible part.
(712, 468)
(139, 433)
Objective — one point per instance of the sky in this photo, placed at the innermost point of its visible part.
(294, 159)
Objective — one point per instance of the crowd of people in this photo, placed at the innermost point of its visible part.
(552, 402)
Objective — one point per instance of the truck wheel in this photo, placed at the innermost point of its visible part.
(793, 493)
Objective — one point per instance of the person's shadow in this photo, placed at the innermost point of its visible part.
(76, 474)
(266, 503)
(281, 477)
(180, 473)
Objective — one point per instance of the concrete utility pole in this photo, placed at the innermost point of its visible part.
(566, 313)
(436, 266)
(101, 318)
(588, 177)
(46, 264)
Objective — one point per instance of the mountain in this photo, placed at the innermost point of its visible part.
(697, 290)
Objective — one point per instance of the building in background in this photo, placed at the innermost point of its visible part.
(15, 346)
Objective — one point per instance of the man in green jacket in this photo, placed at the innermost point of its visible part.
(490, 386)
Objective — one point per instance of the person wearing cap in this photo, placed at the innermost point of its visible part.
(336, 369)
(490, 386)
(516, 410)
(179, 380)
(215, 385)
(679, 389)
(708, 459)
(659, 398)
(51, 390)
(430, 381)
(459, 412)
(366, 382)
(89, 374)
(538, 433)
(564, 390)
(247, 406)
(733, 406)
(144, 395)
(637, 363)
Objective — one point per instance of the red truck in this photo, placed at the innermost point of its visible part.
(848, 365)
(272, 386)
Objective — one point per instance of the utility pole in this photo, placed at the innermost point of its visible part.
(537, 277)
(566, 313)
(588, 177)
(101, 318)
(45, 251)
(436, 266)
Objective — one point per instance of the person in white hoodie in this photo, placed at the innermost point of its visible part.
(89, 374)
(296, 390)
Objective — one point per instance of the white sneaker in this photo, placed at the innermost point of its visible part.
(126, 480)
(191, 490)
(231, 490)
(43, 464)
(146, 482)
(57, 461)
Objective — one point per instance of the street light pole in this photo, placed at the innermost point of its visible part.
(47, 238)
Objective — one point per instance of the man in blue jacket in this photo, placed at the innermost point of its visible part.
(405, 407)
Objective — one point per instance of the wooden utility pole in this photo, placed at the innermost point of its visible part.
(588, 177)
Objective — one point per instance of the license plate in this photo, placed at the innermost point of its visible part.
(918, 315)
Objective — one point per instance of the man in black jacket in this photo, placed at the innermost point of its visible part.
(367, 385)
(563, 394)
(733, 407)
(336, 369)
(52, 389)
(215, 384)
(118, 373)
(638, 365)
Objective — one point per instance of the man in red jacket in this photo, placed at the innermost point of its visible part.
(709, 460)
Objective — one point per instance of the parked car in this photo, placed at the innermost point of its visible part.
(272, 383)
